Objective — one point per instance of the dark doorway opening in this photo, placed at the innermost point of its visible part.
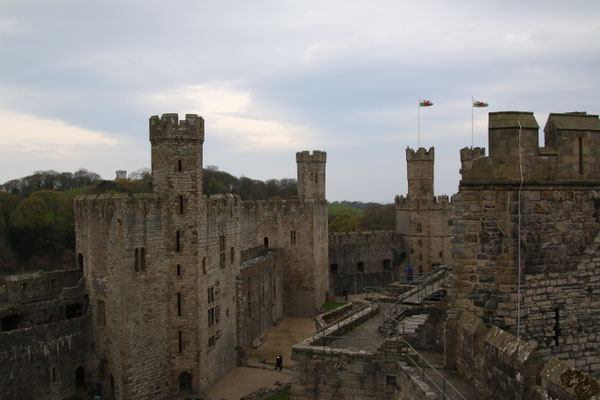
(185, 383)
(266, 242)
(80, 378)
(12, 322)
(73, 310)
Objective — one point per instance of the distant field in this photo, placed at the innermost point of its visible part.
(335, 209)
(78, 191)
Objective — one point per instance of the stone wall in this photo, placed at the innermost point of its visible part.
(299, 228)
(504, 367)
(45, 361)
(260, 297)
(550, 222)
(365, 259)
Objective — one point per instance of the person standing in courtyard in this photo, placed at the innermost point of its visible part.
(278, 362)
(409, 274)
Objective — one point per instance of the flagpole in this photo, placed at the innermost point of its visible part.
(472, 129)
(419, 123)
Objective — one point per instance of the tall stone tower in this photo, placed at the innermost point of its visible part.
(177, 179)
(419, 167)
(421, 216)
(311, 174)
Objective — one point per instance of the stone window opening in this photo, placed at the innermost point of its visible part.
(360, 266)
(293, 238)
(80, 261)
(53, 374)
(178, 269)
(180, 205)
(142, 259)
(211, 341)
(441, 254)
(136, 261)
(112, 385)
(11, 322)
(390, 380)
(177, 241)
(333, 268)
(179, 304)
(211, 295)
(102, 368)
(316, 177)
(266, 242)
(420, 257)
(556, 325)
(420, 243)
(179, 166)
(204, 265)
(211, 316)
(222, 251)
(52, 284)
(450, 223)
(419, 227)
(179, 336)
(23, 286)
(100, 313)
(387, 264)
(232, 255)
(580, 155)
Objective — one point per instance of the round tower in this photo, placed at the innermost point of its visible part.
(311, 174)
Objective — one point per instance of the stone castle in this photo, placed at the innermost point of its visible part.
(172, 287)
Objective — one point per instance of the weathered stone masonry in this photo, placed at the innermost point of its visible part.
(559, 224)
(174, 305)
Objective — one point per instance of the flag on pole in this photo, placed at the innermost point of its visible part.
(477, 103)
(425, 103)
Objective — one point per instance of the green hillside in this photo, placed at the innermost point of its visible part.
(333, 209)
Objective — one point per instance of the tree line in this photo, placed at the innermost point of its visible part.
(36, 211)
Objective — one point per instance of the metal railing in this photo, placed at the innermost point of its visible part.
(447, 390)
(375, 302)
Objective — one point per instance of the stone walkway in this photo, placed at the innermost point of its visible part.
(366, 336)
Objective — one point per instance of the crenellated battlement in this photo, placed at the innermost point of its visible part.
(222, 205)
(421, 154)
(571, 154)
(440, 202)
(285, 207)
(168, 127)
(316, 156)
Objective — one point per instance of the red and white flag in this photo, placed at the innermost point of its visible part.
(479, 104)
(425, 103)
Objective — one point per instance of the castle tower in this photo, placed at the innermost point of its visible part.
(419, 166)
(177, 180)
(421, 217)
(311, 174)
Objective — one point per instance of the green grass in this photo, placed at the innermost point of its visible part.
(334, 209)
(331, 305)
(283, 395)
(77, 192)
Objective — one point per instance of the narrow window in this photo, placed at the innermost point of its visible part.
(178, 269)
(53, 374)
(222, 251)
(177, 246)
(232, 255)
(420, 243)
(180, 342)
(102, 370)
(179, 165)
(100, 316)
(386, 264)
(419, 227)
(333, 268)
(449, 222)
(142, 259)
(136, 261)
(179, 304)
(360, 266)
(316, 178)
(204, 265)
(181, 205)
(266, 242)
(580, 156)
(211, 316)
(441, 254)
(420, 257)
(556, 326)
(293, 238)
(80, 261)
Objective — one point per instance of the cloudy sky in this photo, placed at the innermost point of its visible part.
(79, 80)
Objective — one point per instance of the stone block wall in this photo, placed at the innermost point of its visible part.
(260, 297)
(382, 256)
(46, 361)
(36, 286)
(504, 367)
(299, 228)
